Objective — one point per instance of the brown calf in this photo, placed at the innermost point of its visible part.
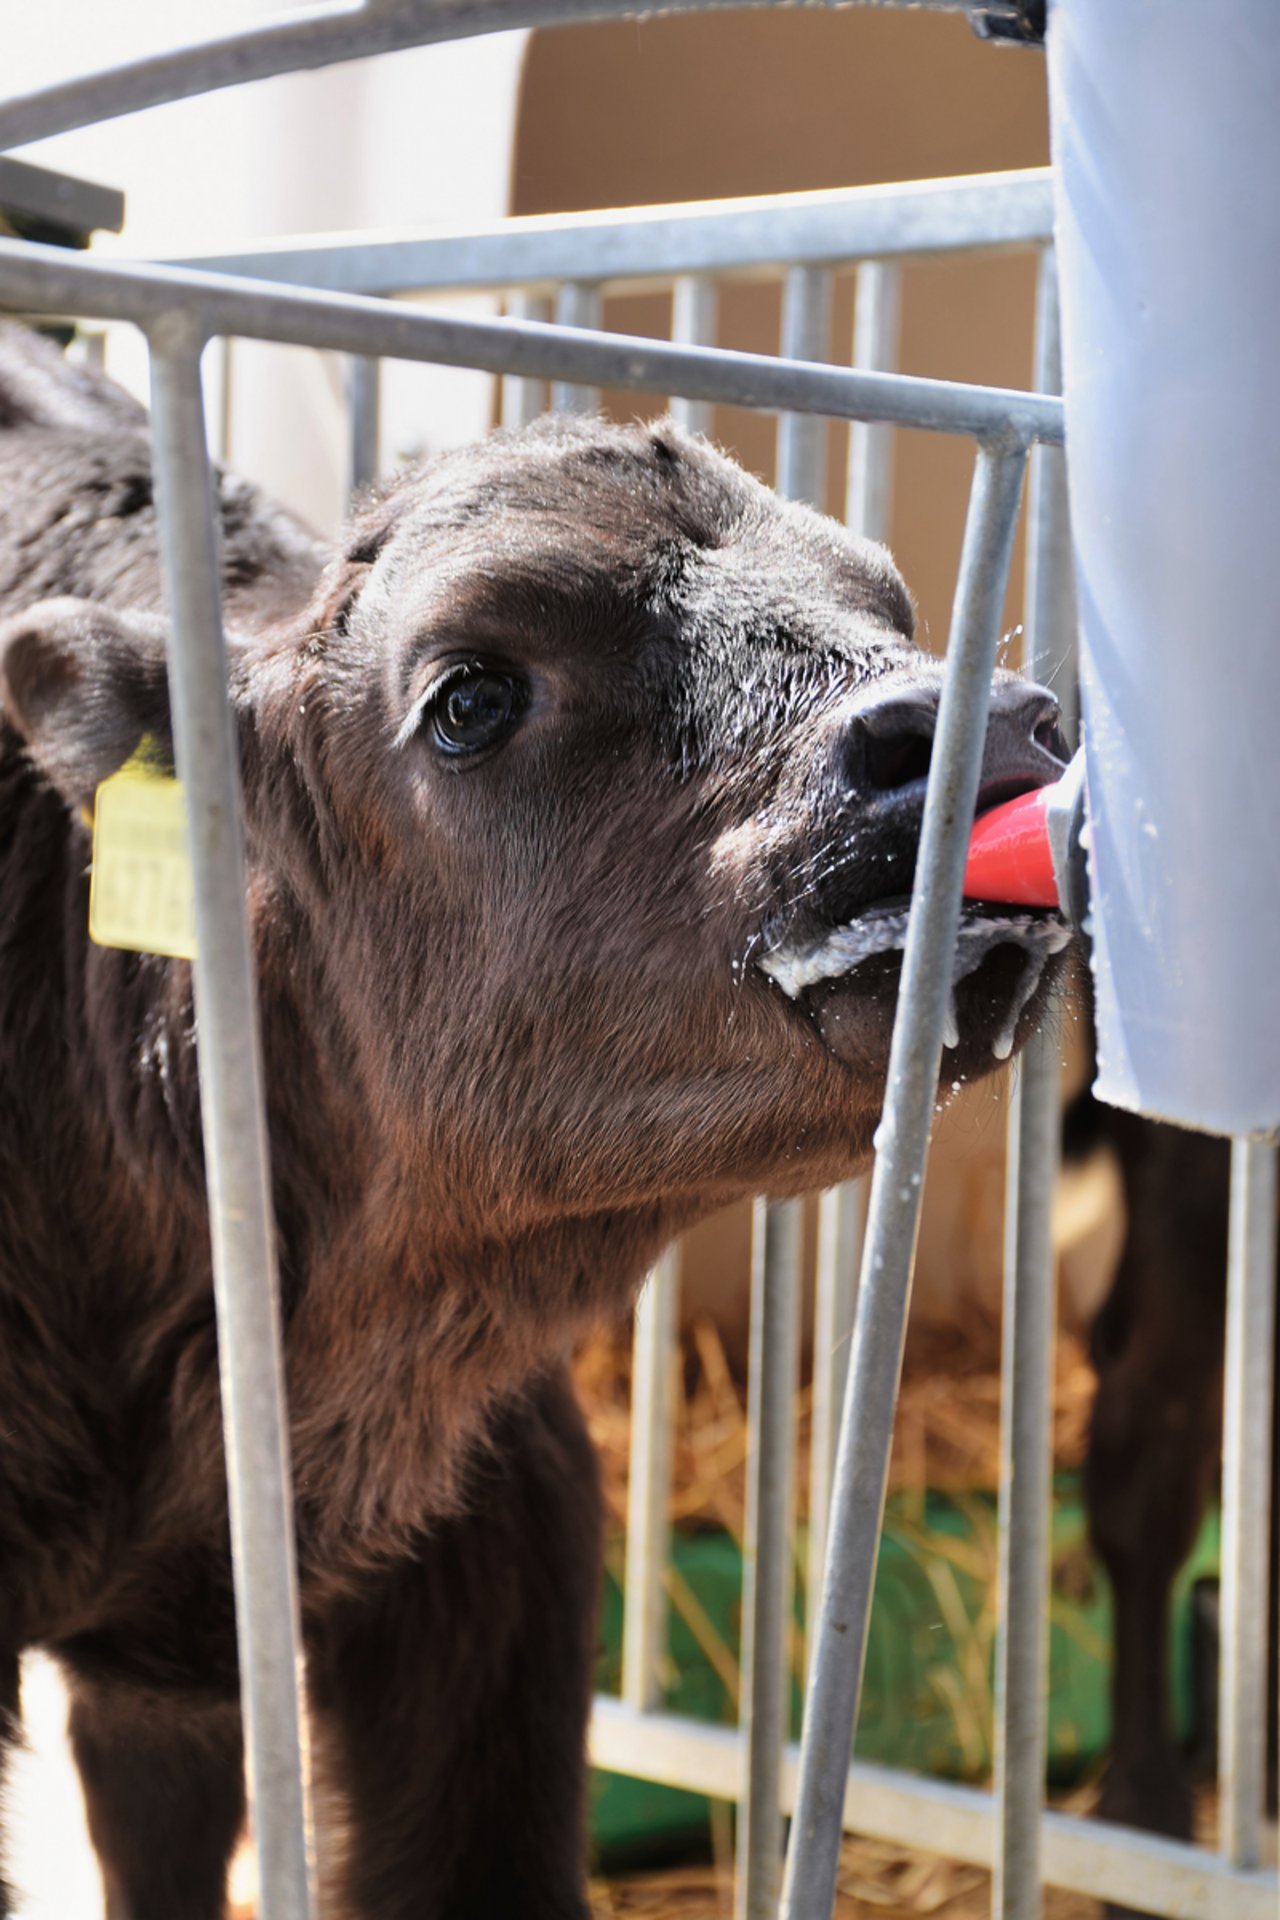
(579, 745)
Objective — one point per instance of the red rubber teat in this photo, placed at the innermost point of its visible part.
(1010, 858)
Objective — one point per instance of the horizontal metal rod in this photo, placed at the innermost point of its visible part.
(51, 280)
(1103, 1861)
(316, 37)
(973, 211)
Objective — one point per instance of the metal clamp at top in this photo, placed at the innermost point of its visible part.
(1017, 23)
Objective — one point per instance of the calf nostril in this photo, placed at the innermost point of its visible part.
(1049, 735)
(893, 739)
(893, 762)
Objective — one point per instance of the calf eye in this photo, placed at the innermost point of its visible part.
(472, 707)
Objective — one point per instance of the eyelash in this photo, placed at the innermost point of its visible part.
(505, 711)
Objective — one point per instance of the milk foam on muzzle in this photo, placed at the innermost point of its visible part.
(884, 930)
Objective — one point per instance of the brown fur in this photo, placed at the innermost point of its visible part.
(515, 1040)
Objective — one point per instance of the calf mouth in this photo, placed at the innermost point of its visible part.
(841, 968)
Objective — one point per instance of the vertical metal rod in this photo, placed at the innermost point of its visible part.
(93, 347)
(653, 1355)
(1026, 1354)
(578, 304)
(695, 313)
(1049, 651)
(363, 406)
(806, 335)
(235, 1137)
(1026, 1480)
(767, 1583)
(226, 400)
(893, 1215)
(842, 1219)
(767, 1599)
(842, 1213)
(1246, 1501)
(876, 330)
(524, 400)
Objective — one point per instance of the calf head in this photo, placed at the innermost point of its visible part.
(564, 797)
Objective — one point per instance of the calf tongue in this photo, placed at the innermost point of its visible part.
(1010, 854)
(1030, 851)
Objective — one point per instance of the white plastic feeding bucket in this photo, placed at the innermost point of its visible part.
(1166, 134)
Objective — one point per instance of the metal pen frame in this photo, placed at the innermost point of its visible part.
(572, 263)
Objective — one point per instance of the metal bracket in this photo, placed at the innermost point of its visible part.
(38, 204)
(1016, 23)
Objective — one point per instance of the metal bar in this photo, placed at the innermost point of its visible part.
(894, 1208)
(842, 1212)
(767, 1583)
(317, 37)
(983, 211)
(81, 205)
(1026, 1479)
(1118, 1864)
(842, 1219)
(51, 280)
(1246, 1501)
(524, 400)
(806, 335)
(876, 327)
(93, 350)
(242, 1229)
(653, 1355)
(363, 402)
(226, 400)
(1049, 652)
(577, 306)
(695, 314)
(1026, 1354)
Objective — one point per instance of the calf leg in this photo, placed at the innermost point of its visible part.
(449, 1703)
(164, 1792)
(1154, 1442)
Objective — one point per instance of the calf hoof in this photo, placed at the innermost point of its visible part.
(1153, 1793)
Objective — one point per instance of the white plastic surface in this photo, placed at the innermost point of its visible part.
(1166, 133)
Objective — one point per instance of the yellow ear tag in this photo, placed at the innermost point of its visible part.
(141, 894)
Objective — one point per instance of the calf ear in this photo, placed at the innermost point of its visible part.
(81, 684)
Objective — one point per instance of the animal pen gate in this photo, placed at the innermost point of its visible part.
(554, 271)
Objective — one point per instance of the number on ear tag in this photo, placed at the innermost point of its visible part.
(141, 894)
